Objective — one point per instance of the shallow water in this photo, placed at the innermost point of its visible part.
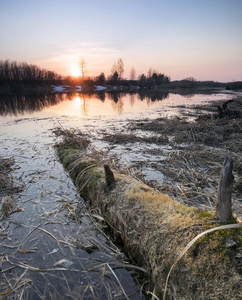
(77, 261)
(90, 274)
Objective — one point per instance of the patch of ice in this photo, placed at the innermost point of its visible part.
(60, 88)
(99, 88)
(78, 88)
(153, 175)
(63, 263)
(54, 251)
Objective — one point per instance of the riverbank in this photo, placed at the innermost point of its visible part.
(76, 86)
(155, 229)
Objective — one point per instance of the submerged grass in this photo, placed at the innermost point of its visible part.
(8, 188)
(155, 229)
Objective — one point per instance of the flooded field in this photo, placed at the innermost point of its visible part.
(46, 253)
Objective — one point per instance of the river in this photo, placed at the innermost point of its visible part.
(44, 253)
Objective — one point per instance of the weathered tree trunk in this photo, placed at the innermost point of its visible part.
(223, 205)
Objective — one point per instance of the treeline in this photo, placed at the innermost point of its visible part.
(143, 80)
(236, 85)
(153, 80)
(156, 79)
(17, 75)
(14, 71)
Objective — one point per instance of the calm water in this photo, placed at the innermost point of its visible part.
(76, 260)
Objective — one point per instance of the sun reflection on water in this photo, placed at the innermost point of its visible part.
(80, 104)
(78, 101)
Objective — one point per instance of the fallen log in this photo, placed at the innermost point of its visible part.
(155, 229)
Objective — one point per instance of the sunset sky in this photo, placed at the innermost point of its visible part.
(181, 38)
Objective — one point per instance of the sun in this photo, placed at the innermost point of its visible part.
(75, 72)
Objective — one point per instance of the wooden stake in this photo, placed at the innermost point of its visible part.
(108, 175)
(223, 203)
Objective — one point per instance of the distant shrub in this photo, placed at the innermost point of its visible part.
(237, 85)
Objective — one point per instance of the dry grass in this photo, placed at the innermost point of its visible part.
(191, 243)
(131, 138)
(155, 228)
(8, 188)
(72, 137)
(6, 180)
(197, 151)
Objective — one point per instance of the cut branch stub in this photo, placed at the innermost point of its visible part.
(109, 176)
(223, 204)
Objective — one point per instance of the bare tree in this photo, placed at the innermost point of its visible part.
(118, 67)
(83, 67)
(150, 72)
(114, 68)
(132, 73)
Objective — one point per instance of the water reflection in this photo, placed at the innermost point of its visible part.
(96, 104)
(80, 104)
(19, 104)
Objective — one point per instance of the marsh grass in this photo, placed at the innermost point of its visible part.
(155, 228)
(191, 243)
(8, 187)
(73, 137)
(198, 147)
(7, 184)
(163, 227)
(131, 138)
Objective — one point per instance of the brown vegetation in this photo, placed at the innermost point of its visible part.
(156, 228)
(7, 189)
(198, 145)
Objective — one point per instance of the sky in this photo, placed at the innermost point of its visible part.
(180, 38)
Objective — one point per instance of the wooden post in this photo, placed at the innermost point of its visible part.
(108, 175)
(223, 203)
(223, 110)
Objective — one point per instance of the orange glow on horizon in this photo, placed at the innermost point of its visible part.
(75, 72)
